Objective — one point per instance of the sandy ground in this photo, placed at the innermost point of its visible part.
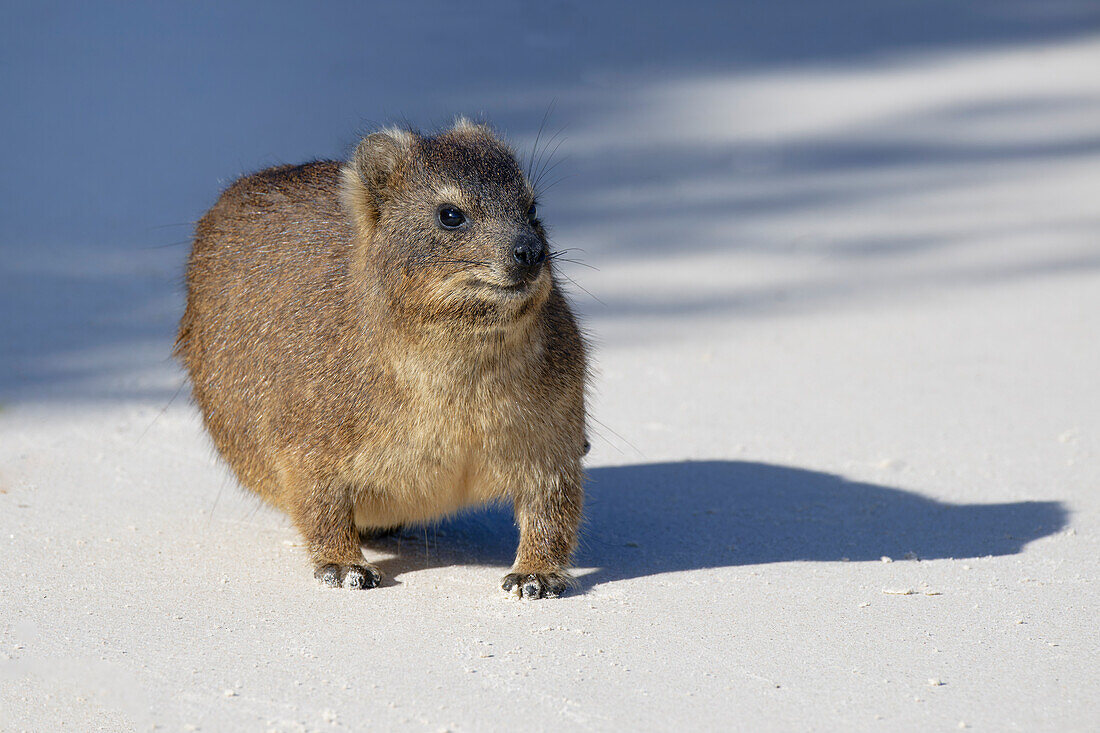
(847, 416)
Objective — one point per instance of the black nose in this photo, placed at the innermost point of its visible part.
(529, 251)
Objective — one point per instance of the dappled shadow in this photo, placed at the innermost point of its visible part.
(125, 122)
(647, 519)
(73, 329)
(747, 302)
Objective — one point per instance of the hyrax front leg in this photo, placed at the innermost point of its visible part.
(548, 519)
(325, 518)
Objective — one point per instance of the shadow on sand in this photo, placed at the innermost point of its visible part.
(647, 519)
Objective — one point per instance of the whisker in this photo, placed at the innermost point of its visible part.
(605, 426)
(539, 152)
(549, 167)
(603, 437)
(162, 411)
(543, 189)
(566, 276)
(545, 156)
(575, 262)
(542, 125)
(179, 243)
(454, 262)
(560, 255)
(543, 170)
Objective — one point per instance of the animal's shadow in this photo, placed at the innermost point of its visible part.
(647, 519)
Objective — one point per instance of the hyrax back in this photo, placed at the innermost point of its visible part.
(383, 341)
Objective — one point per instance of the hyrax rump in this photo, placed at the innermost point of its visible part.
(383, 342)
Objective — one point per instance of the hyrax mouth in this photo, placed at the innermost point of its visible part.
(508, 285)
(516, 288)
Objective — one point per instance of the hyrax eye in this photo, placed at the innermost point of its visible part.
(532, 214)
(450, 217)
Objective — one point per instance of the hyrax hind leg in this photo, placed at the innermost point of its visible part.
(324, 516)
(548, 519)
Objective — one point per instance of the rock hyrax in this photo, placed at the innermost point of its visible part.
(383, 342)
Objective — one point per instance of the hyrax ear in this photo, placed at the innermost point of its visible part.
(380, 156)
(373, 170)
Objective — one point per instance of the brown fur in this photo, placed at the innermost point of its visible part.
(361, 368)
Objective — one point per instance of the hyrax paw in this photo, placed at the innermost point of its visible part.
(357, 577)
(536, 585)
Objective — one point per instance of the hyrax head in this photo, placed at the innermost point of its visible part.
(450, 224)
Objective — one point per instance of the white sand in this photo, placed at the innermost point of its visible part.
(849, 300)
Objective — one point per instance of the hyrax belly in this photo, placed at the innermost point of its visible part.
(419, 482)
(474, 452)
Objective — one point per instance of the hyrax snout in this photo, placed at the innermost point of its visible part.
(383, 342)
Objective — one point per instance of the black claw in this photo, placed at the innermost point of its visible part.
(553, 587)
(357, 577)
(534, 585)
(361, 578)
(329, 575)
